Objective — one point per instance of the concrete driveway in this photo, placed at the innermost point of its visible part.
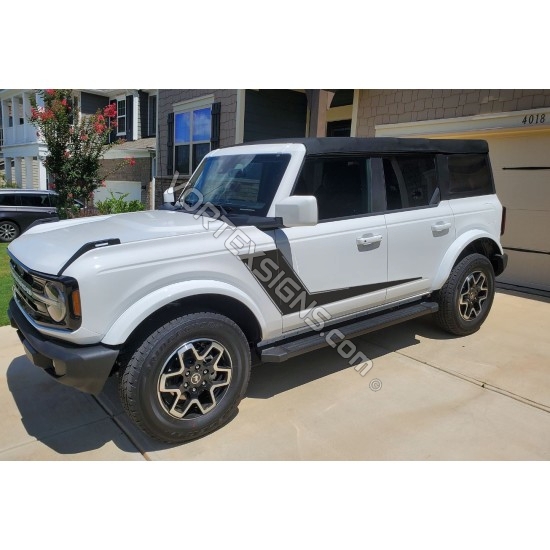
(429, 396)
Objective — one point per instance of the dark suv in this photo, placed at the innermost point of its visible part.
(19, 208)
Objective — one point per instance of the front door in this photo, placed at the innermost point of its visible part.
(341, 263)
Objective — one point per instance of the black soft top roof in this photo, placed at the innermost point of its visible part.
(340, 145)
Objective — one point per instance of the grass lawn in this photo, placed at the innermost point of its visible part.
(5, 285)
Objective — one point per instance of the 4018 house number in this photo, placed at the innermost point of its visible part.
(534, 119)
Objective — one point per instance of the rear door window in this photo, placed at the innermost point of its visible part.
(411, 181)
(35, 200)
(8, 199)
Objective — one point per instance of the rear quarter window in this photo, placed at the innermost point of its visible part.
(469, 175)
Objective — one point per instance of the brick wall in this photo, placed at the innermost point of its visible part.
(167, 98)
(393, 106)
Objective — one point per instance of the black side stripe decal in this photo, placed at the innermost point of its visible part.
(287, 290)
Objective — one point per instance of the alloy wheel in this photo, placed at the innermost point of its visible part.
(473, 294)
(194, 379)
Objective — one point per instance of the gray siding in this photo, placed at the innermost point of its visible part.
(393, 106)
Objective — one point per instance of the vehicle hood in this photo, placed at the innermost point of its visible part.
(48, 247)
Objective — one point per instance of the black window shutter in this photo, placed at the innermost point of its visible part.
(170, 145)
(215, 126)
(143, 112)
(130, 118)
(112, 135)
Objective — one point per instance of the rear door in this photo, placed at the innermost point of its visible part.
(420, 226)
(32, 207)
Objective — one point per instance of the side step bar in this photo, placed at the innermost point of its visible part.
(283, 352)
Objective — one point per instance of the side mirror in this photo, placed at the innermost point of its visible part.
(297, 211)
(168, 196)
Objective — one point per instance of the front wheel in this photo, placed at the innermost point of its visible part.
(466, 298)
(187, 379)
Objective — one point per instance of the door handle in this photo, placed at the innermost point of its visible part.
(368, 239)
(441, 226)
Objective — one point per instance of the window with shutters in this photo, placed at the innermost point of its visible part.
(121, 116)
(192, 134)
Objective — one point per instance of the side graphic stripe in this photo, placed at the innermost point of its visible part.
(287, 290)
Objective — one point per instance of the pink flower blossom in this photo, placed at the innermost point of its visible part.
(132, 162)
(110, 110)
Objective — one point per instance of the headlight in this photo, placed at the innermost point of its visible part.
(56, 304)
(49, 300)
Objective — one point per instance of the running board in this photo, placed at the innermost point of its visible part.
(288, 350)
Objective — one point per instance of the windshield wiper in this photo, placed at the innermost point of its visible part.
(223, 209)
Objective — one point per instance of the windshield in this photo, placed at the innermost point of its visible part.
(242, 184)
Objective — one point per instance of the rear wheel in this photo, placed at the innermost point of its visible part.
(187, 379)
(466, 298)
(8, 231)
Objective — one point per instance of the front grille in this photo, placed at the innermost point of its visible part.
(28, 291)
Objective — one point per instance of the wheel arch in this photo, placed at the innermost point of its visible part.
(211, 303)
(470, 243)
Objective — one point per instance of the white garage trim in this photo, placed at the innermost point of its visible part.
(511, 122)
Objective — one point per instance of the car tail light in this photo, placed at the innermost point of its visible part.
(503, 221)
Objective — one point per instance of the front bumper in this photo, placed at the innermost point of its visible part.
(83, 367)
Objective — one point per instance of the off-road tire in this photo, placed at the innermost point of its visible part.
(468, 292)
(147, 383)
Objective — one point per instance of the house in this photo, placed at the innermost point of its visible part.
(515, 123)
(24, 152)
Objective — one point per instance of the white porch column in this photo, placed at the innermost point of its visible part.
(28, 129)
(7, 164)
(15, 110)
(42, 175)
(8, 138)
(5, 115)
(28, 173)
(18, 171)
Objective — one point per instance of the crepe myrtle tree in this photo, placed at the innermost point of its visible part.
(76, 145)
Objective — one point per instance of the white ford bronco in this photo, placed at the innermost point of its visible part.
(273, 249)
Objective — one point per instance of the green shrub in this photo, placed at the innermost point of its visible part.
(119, 205)
(5, 185)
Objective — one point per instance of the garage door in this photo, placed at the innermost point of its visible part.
(130, 188)
(521, 167)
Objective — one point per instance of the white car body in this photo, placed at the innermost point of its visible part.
(168, 256)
